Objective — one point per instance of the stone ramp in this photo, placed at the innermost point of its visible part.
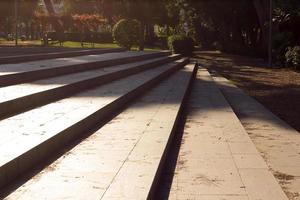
(277, 142)
(29, 138)
(217, 159)
(50, 55)
(11, 74)
(120, 160)
(19, 98)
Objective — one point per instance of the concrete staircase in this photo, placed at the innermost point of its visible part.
(103, 127)
(50, 55)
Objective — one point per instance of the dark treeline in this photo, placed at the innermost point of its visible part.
(239, 26)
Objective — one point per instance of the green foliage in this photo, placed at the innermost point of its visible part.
(293, 57)
(181, 44)
(281, 41)
(126, 33)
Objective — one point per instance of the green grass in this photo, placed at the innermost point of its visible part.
(69, 44)
(97, 45)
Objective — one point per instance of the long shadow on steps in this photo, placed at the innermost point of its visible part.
(169, 167)
(51, 55)
(162, 189)
(87, 133)
(12, 51)
(46, 92)
(59, 67)
(4, 192)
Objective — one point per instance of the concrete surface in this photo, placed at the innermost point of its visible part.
(19, 98)
(62, 62)
(278, 143)
(120, 160)
(16, 91)
(217, 159)
(50, 55)
(21, 133)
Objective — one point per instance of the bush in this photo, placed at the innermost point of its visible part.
(162, 41)
(10, 37)
(23, 37)
(218, 46)
(181, 44)
(292, 57)
(126, 33)
(280, 44)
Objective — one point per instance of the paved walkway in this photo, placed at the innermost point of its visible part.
(277, 142)
(217, 159)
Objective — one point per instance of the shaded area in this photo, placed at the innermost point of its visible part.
(13, 51)
(276, 89)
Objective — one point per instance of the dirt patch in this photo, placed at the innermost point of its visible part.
(283, 177)
(277, 89)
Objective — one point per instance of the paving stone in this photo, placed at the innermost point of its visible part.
(242, 148)
(252, 161)
(261, 184)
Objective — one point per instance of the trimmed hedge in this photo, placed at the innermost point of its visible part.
(126, 33)
(181, 44)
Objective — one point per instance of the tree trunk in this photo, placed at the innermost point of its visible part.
(27, 30)
(261, 7)
(142, 36)
(58, 26)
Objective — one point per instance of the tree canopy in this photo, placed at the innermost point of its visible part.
(231, 25)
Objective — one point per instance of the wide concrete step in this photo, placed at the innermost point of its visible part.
(11, 74)
(122, 159)
(51, 55)
(19, 98)
(29, 138)
(24, 50)
(217, 159)
(278, 142)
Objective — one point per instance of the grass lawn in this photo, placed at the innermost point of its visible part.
(70, 44)
(103, 45)
(4, 42)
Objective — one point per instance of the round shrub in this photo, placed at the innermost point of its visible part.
(126, 33)
(281, 42)
(292, 57)
(181, 44)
